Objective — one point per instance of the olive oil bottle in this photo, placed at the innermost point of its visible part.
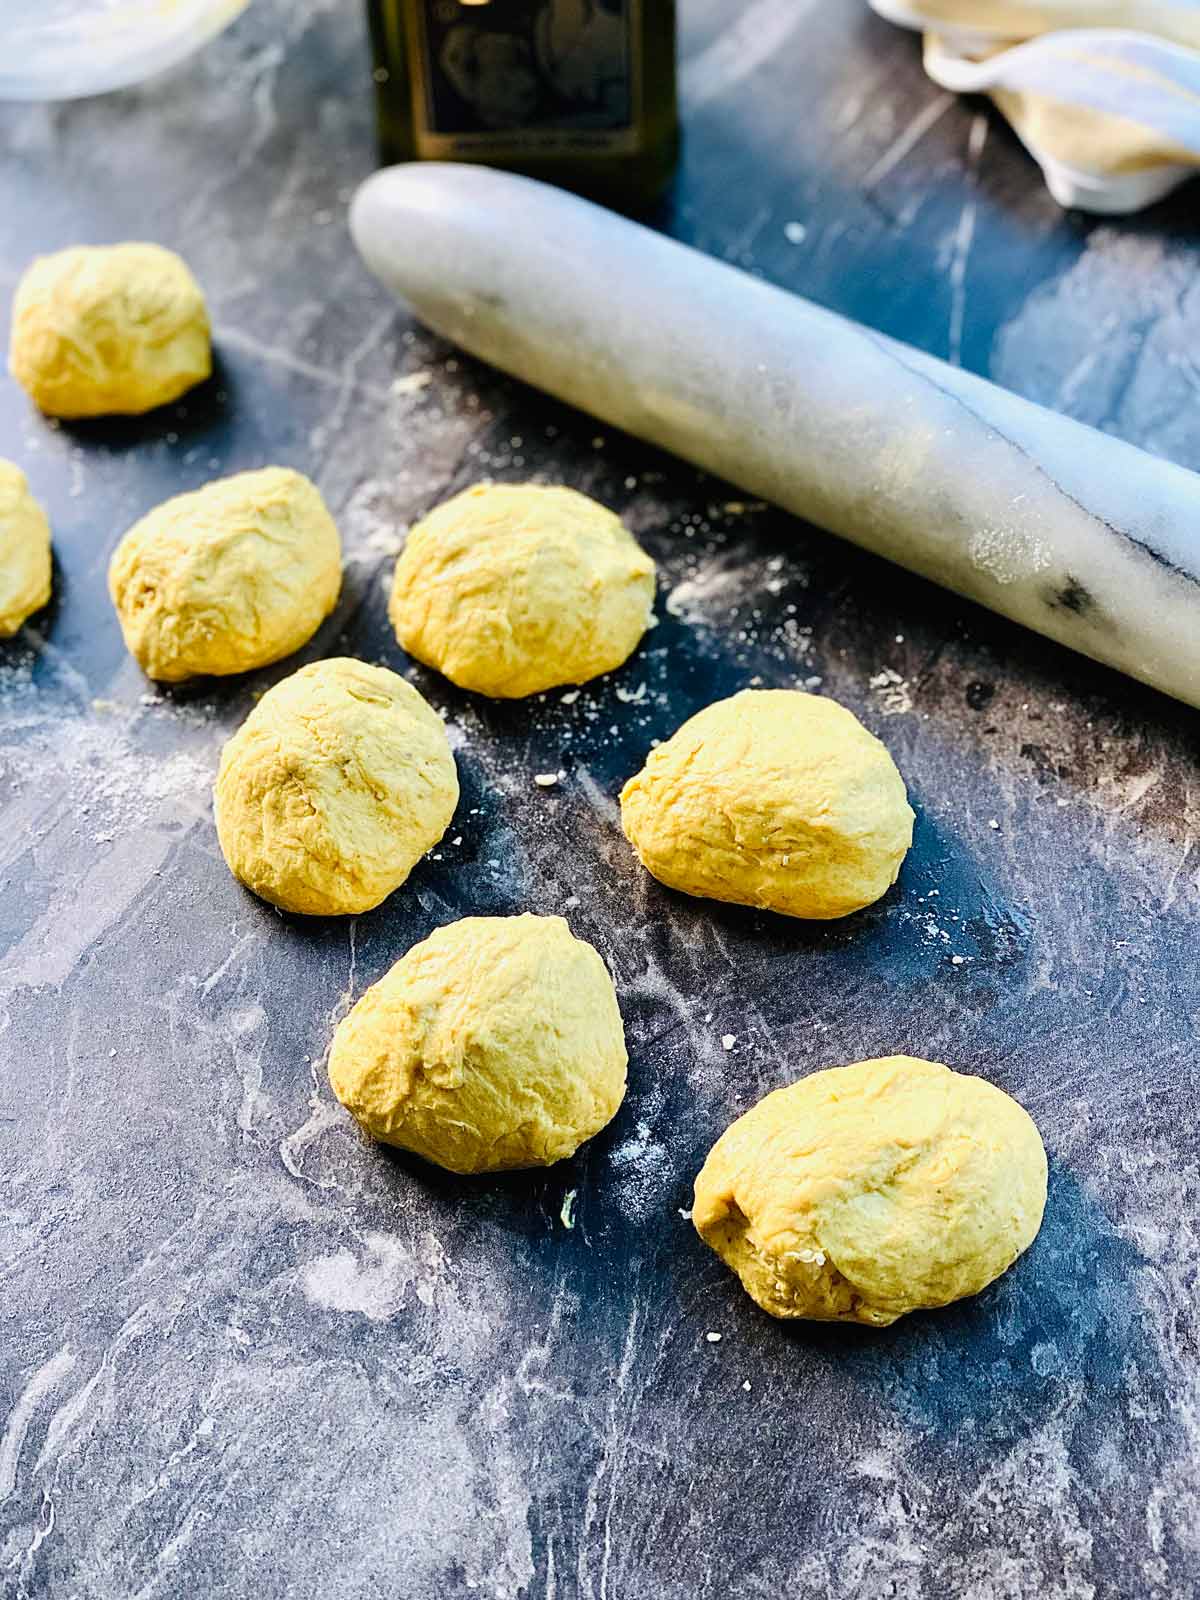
(578, 92)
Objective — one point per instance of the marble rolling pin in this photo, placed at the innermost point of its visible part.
(1085, 539)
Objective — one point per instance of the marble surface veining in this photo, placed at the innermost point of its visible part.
(241, 1352)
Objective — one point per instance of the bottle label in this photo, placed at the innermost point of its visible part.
(513, 78)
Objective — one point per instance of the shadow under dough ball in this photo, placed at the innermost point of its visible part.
(510, 589)
(495, 1043)
(227, 578)
(865, 1192)
(775, 799)
(108, 330)
(333, 788)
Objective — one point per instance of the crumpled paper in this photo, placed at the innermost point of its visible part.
(1104, 94)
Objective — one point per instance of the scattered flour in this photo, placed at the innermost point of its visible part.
(373, 524)
(412, 382)
(640, 1172)
(1008, 555)
(892, 692)
(376, 1284)
(114, 800)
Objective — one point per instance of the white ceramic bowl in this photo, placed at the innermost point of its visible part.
(62, 49)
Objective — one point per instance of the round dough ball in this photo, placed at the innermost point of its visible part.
(495, 1043)
(24, 551)
(510, 589)
(333, 788)
(100, 330)
(865, 1192)
(775, 799)
(228, 577)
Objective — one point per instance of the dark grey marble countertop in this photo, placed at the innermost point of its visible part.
(245, 1354)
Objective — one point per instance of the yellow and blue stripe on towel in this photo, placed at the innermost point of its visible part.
(1105, 94)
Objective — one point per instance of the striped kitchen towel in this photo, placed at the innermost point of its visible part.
(1105, 94)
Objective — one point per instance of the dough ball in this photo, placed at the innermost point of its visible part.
(775, 799)
(333, 788)
(228, 577)
(865, 1192)
(495, 1043)
(99, 330)
(24, 551)
(512, 589)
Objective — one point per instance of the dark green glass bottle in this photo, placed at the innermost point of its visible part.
(578, 92)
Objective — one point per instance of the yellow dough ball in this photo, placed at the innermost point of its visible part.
(495, 1043)
(24, 551)
(102, 330)
(228, 577)
(512, 589)
(333, 788)
(774, 799)
(865, 1192)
